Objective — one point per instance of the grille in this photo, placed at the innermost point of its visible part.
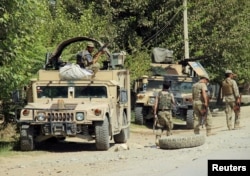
(59, 116)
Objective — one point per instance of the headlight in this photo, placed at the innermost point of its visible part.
(41, 117)
(151, 100)
(79, 116)
(179, 101)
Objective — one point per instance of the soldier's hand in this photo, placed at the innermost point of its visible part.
(155, 116)
(203, 111)
(238, 101)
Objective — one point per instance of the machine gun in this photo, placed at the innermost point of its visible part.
(99, 52)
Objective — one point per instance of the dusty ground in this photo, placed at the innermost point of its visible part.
(74, 158)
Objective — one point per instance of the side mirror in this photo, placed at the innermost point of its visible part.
(123, 96)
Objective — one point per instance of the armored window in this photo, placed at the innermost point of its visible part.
(91, 92)
(123, 96)
(52, 91)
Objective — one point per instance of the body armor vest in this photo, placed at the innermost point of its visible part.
(164, 100)
(197, 87)
(227, 87)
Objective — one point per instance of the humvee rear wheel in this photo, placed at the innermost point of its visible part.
(139, 115)
(102, 135)
(123, 136)
(27, 138)
(178, 142)
(190, 119)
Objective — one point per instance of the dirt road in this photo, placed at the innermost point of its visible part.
(74, 158)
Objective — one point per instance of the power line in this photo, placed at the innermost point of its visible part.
(162, 29)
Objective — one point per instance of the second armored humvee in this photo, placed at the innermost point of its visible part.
(164, 69)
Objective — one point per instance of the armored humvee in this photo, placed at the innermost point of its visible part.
(164, 69)
(92, 108)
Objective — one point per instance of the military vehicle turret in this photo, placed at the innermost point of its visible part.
(93, 107)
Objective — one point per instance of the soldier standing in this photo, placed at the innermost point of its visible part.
(163, 111)
(230, 91)
(202, 113)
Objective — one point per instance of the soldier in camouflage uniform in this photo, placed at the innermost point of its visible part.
(163, 111)
(230, 92)
(85, 58)
(201, 105)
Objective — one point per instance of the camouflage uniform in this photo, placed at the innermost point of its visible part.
(198, 103)
(85, 59)
(164, 107)
(230, 92)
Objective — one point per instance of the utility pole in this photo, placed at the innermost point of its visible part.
(186, 42)
(188, 70)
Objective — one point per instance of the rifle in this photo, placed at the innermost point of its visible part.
(237, 106)
(204, 113)
(99, 52)
(155, 122)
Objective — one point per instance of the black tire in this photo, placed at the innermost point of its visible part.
(123, 136)
(102, 135)
(139, 115)
(27, 138)
(190, 119)
(178, 142)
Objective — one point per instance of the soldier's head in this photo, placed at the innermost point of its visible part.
(229, 73)
(166, 85)
(90, 47)
(205, 78)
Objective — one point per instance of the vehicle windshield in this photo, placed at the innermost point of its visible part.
(52, 92)
(91, 92)
(185, 87)
(80, 91)
(154, 84)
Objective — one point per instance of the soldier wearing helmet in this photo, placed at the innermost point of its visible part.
(163, 111)
(85, 58)
(230, 92)
(201, 105)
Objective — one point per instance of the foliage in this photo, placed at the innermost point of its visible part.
(18, 52)
(218, 31)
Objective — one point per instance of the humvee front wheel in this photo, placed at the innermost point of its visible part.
(102, 134)
(123, 136)
(139, 115)
(27, 138)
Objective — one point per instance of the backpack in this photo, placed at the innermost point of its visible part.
(164, 100)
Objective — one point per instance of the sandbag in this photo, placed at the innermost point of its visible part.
(162, 55)
(74, 72)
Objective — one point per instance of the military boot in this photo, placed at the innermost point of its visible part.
(157, 137)
(169, 133)
(230, 127)
(236, 126)
(209, 132)
(196, 131)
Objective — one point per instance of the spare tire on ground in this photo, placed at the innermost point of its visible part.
(178, 142)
